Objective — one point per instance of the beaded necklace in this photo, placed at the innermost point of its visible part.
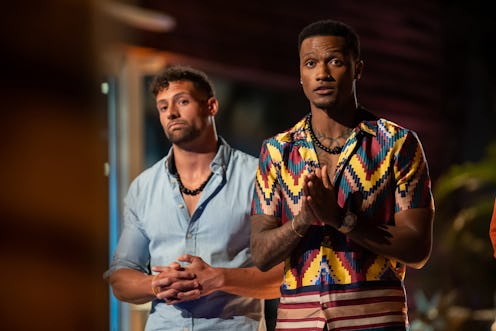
(335, 151)
(187, 190)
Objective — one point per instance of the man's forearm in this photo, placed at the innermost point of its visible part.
(270, 246)
(251, 282)
(131, 286)
(408, 241)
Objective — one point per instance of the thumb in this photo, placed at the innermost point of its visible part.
(186, 258)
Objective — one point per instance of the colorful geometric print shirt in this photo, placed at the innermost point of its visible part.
(329, 278)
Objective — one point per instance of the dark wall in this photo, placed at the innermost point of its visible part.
(53, 201)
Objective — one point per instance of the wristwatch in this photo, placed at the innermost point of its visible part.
(349, 222)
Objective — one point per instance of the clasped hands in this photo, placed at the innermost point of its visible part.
(320, 199)
(175, 283)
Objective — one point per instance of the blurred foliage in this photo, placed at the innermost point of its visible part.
(459, 282)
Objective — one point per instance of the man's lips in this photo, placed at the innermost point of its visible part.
(323, 89)
(174, 124)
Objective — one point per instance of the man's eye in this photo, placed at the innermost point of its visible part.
(310, 64)
(336, 62)
(162, 108)
(183, 102)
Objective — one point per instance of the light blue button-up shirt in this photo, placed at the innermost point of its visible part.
(157, 229)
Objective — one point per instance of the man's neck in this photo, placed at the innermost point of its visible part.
(334, 122)
(195, 162)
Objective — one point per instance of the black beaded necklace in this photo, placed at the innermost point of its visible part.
(335, 151)
(187, 190)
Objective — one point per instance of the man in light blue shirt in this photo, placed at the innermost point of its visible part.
(186, 236)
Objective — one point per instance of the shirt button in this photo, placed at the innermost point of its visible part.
(181, 206)
(324, 306)
(189, 235)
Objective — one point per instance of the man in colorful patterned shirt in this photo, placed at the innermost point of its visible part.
(343, 197)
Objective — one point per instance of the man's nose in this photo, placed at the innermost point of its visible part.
(172, 112)
(324, 73)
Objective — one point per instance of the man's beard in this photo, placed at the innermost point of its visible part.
(181, 136)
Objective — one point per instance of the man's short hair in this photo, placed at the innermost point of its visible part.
(174, 73)
(332, 28)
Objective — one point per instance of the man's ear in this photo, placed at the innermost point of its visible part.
(358, 69)
(213, 106)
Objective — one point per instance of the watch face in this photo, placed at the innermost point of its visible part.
(349, 222)
(350, 219)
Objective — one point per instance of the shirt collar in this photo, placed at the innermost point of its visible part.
(301, 130)
(367, 126)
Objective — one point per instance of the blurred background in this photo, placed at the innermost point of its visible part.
(78, 123)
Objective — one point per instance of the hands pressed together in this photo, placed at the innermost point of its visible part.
(320, 199)
(175, 283)
(408, 240)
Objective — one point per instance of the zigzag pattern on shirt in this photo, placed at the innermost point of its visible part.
(388, 157)
(283, 170)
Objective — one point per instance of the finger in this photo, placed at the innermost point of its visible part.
(186, 258)
(167, 294)
(185, 285)
(190, 259)
(318, 172)
(163, 281)
(306, 192)
(176, 288)
(311, 176)
(326, 181)
(182, 274)
(171, 301)
(305, 205)
(159, 268)
(311, 203)
(183, 296)
(310, 209)
(172, 266)
(189, 295)
(312, 188)
(167, 279)
(175, 265)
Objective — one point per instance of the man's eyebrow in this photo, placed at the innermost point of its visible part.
(174, 97)
(311, 53)
(180, 94)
